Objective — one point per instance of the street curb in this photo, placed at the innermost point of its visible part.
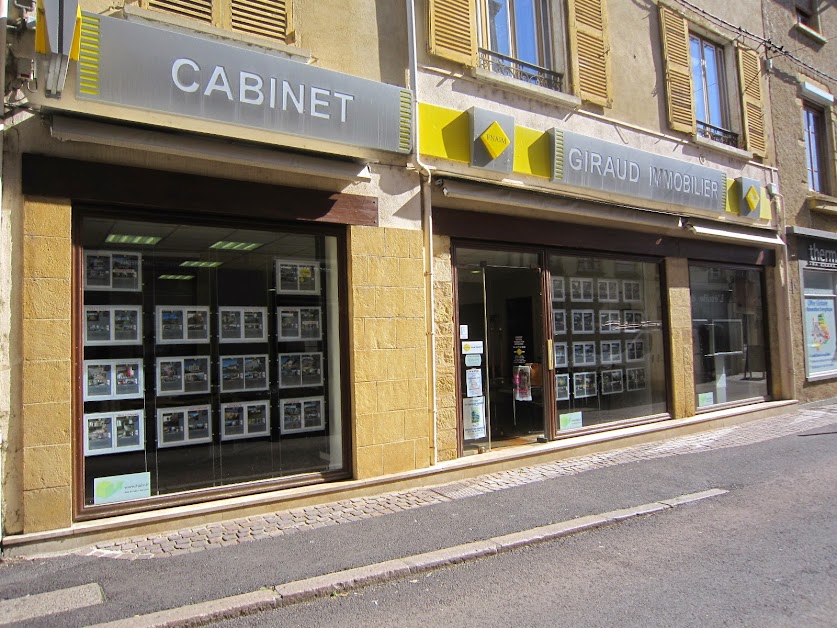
(341, 581)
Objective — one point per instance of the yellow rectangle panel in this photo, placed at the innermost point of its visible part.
(532, 152)
(444, 133)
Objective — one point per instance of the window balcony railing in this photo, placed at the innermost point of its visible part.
(717, 134)
(520, 70)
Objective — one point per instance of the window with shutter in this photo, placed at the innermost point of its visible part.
(749, 71)
(698, 86)
(526, 40)
(263, 18)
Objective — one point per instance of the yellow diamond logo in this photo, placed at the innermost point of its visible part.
(752, 198)
(495, 140)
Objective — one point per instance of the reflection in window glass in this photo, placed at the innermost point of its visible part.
(608, 340)
(730, 354)
(814, 147)
(210, 357)
(707, 81)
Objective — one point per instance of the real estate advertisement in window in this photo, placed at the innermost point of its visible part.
(210, 358)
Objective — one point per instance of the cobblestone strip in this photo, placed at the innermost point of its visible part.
(276, 524)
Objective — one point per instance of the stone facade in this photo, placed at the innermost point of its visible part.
(804, 57)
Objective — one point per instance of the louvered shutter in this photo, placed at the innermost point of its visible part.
(265, 18)
(452, 30)
(200, 10)
(752, 107)
(589, 50)
(674, 32)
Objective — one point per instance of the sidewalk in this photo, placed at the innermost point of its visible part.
(373, 536)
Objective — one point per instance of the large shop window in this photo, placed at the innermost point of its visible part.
(820, 323)
(210, 357)
(609, 355)
(729, 343)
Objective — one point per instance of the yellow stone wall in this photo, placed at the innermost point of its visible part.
(392, 421)
(446, 422)
(682, 372)
(46, 390)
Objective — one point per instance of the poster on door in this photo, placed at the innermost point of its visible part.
(473, 417)
(473, 383)
(522, 379)
(820, 336)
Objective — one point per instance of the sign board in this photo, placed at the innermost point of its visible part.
(137, 65)
(121, 488)
(595, 164)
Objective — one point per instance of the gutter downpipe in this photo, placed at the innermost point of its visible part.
(4, 394)
(427, 228)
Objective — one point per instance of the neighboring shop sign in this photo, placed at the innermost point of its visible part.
(147, 67)
(596, 164)
(818, 255)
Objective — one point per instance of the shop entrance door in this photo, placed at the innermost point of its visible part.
(501, 362)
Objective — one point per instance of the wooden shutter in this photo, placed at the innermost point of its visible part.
(200, 10)
(589, 50)
(674, 32)
(265, 18)
(452, 30)
(752, 107)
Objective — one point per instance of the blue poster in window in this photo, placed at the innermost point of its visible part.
(820, 339)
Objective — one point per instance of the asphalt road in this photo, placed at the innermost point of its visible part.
(764, 554)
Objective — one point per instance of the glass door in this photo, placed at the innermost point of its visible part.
(501, 348)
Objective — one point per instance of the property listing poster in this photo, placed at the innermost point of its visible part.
(820, 336)
(473, 417)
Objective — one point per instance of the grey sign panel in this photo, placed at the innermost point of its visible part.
(482, 137)
(137, 65)
(599, 165)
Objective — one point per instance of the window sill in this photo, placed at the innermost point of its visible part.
(810, 32)
(823, 203)
(525, 89)
(194, 26)
(722, 148)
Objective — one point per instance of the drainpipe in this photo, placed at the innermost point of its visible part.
(4, 18)
(427, 225)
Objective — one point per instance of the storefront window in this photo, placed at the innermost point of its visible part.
(730, 354)
(819, 323)
(210, 357)
(609, 354)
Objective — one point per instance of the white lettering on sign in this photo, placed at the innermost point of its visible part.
(822, 257)
(685, 183)
(186, 75)
(595, 163)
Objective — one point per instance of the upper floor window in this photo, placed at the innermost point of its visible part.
(709, 91)
(815, 160)
(516, 29)
(561, 45)
(263, 18)
(806, 14)
(698, 86)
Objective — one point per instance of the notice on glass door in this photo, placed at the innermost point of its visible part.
(522, 380)
(820, 336)
(473, 383)
(473, 417)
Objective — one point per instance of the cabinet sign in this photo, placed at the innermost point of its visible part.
(147, 67)
(595, 164)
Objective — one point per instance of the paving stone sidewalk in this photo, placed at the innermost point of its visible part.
(281, 523)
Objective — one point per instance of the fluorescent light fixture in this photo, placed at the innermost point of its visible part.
(177, 277)
(226, 245)
(118, 238)
(773, 240)
(194, 263)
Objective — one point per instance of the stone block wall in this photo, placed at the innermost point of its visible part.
(682, 372)
(392, 420)
(447, 427)
(46, 390)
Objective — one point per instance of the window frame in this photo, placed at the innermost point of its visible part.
(819, 183)
(807, 14)
(542, 24)
(722, 94)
